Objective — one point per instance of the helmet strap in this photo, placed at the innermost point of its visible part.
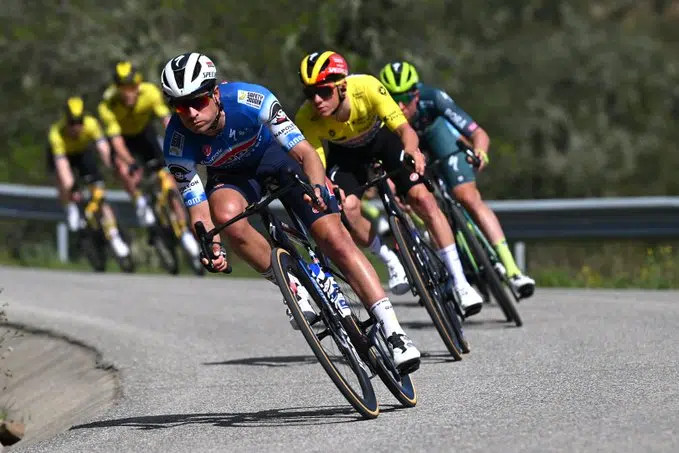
(215, 122)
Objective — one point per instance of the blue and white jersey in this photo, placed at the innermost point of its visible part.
(254, 122)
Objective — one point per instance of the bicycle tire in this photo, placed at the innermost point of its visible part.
(365, 403)
(450, 310)
(442, 325)
(496, 285)
(93, 245)
(164, 247)
(401, 386)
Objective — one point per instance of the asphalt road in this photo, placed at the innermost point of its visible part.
(212, 365)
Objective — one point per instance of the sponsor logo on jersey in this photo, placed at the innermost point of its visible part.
(284, 130)
(176, 144)
(237, 151)
(276, 114)
(180, 173)
(332, 132)
(382, 90)
(250, 98)
(207, 150)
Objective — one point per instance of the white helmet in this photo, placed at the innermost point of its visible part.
(188, 75)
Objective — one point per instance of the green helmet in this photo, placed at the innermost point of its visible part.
(399, 77)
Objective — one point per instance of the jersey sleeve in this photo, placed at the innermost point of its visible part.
(303, 121)
(57, 145)
(93, 129)
(388, 110)
(284, 131)
(180, 161)
(159, 107)
(454, 114)
(109, 120)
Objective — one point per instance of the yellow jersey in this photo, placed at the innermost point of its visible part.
(63, 144)
(371, 108)
(121, 120)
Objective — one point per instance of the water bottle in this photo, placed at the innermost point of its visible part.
(329, 287)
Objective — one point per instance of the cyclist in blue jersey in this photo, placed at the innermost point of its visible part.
(240, 132)
(440, 122)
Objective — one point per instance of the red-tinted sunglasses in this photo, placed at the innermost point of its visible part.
(324, 91)
(183, 106)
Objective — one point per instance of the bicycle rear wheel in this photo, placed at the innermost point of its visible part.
(486, 269)
(420, 279)
(328, 340)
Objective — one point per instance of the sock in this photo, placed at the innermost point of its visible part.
(506, 257)
(268, 274)
(452, 261)
(381, 250)
(384, 312)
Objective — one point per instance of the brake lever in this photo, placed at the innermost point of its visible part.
(410, 165)
(205, 241)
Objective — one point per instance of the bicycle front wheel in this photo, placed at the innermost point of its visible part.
(401, 386)
(328, 340)
(419, 278)
(486, 269)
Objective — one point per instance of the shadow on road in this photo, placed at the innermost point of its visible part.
(293, 416)
(294, 360)
(273, 362)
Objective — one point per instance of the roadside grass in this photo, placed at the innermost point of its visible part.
(584, 264)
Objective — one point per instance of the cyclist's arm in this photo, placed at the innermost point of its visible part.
(62, 168)
(307, 156)
(463, 122)
(411, 143)
(100, 142)
(113, 132)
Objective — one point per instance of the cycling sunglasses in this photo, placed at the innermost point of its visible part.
(198, 103)
(325, 92)
(404, 98)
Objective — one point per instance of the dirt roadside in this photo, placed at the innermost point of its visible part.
(49, 382)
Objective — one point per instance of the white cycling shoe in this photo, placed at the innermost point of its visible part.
(405, 354)
(523, 284)
(398, 283)
(190, 244)
(470, 300)
(119, 247)
(303, 301)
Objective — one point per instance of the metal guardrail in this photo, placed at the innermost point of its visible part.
(630, 217)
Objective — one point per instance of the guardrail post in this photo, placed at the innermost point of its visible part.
(520, 255)
(62, 242)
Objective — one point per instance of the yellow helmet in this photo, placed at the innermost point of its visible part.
(322, 67)
(75, 110)
(125, 73)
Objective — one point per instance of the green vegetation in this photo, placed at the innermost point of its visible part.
(580, 98)
(590, 264)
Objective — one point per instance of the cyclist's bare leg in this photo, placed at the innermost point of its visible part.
(362, 230)
(242, 237)
(424, 204)
(335, 242)
(470, 197)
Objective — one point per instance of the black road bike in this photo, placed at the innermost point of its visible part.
(349, 346)
(428, 276)
(480, 261)
(165, 234)
(92, 242)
